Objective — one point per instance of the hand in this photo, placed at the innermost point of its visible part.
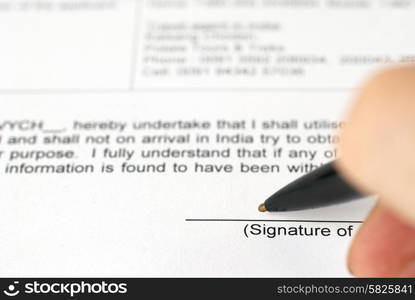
(378, 155)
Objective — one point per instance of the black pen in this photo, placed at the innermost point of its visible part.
(321, 187)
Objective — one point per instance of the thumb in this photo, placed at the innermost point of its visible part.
(383, 247)
(378, 143)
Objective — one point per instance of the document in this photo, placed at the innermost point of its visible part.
(137, 138)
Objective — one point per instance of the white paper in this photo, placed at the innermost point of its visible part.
(90, 73)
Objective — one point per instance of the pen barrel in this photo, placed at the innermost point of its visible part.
(322, 187)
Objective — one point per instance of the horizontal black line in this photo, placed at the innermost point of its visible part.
(170, 89)
(59, 91)
(272, 220)
(53, 130)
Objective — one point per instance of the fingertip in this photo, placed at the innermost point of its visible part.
(377, 142)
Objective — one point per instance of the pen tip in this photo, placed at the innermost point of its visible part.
(262, 208)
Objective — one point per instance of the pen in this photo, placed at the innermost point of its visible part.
(321, 187)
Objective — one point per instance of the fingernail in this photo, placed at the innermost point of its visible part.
(408, 270)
